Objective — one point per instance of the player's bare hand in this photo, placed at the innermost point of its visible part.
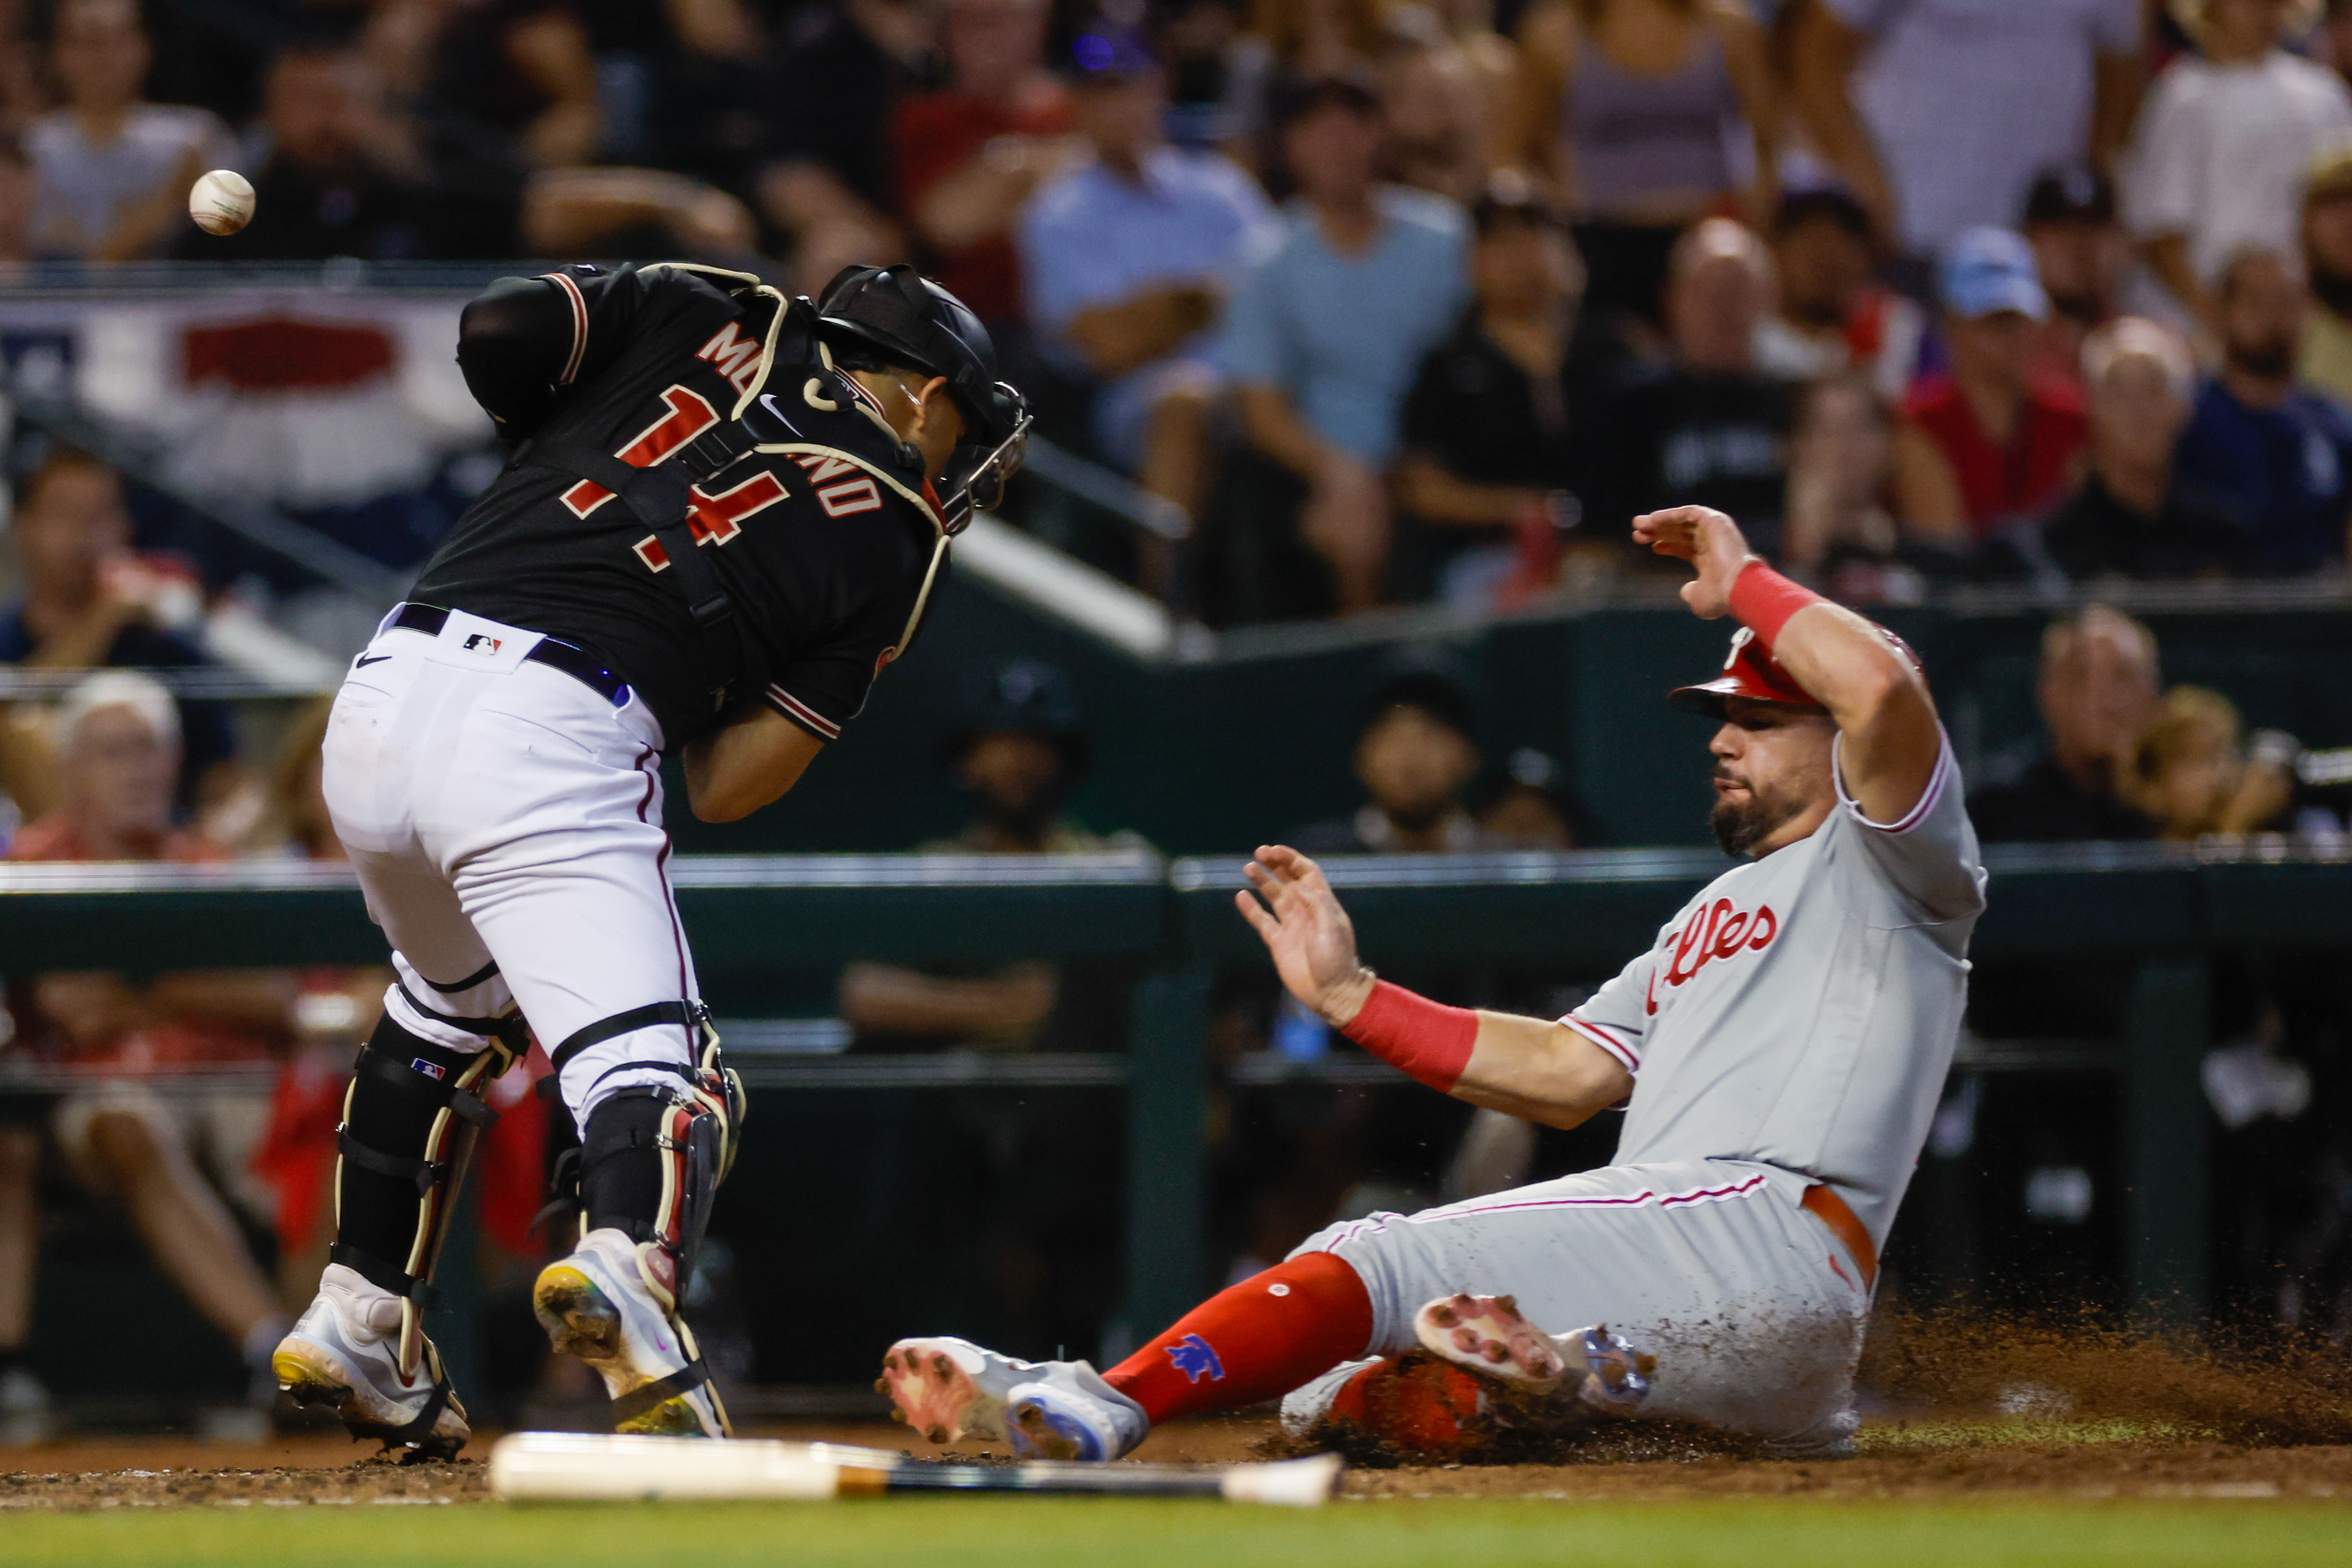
(1706, 538)
(1311, 938)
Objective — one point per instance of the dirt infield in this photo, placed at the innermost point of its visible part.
(2056, 1460)
(1966, 1408)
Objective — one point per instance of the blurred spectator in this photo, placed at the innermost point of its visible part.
(831, 94)
(1198, 40)
(1020, 750)
(518, 72)
(1005, 1160)
(1832, 314)
(1332, 315)
(1492, 445)
(2326, 361)
(1993, 444)
(2080, 253)
(2274, 454)
(88, 600)
(2096, 691)
(340, 176)
(1531, 812)
(2128, 519)
(645, 214)
(1939, 113)
(1646, 115)
(1452, 43)
(1289, 43)
(126, 1135)
(2191, 774)
(1838, 534)
(110, 173)
(1416, 755)
(1439, 108)
(2219, 156)
(1710, 428)
(18, 191)
(968, 156)
(1126, 259)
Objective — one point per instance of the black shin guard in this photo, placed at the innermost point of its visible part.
(409, 1121)
(649, 1164)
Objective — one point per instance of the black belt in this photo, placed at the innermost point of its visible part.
(576, 662)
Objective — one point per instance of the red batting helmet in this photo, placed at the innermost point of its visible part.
(1748, 671)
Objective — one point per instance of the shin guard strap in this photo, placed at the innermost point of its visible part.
(639, 1400)
(426, 1174)
(383, 1276)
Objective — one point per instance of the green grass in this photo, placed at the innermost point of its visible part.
(1033, 1532)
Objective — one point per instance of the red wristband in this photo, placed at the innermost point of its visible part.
(1428, 1039)
(1763, 601)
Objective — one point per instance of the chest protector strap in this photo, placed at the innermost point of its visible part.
(656, 496)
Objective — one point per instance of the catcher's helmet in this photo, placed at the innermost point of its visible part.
(1751, 671)
(902, 315)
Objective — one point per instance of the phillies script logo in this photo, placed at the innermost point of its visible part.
(1718, 931)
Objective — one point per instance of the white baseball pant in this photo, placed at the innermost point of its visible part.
(1752, 1307)
(505, 821)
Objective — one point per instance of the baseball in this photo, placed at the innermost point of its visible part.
(222, 201)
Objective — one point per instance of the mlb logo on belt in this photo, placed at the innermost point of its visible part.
(432, 1070)
(480, 642)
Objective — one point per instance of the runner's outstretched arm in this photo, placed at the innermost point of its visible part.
(1544, 1072)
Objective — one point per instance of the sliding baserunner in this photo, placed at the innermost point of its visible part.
(1778, 1053)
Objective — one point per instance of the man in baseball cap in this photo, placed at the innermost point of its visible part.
(1991, 441)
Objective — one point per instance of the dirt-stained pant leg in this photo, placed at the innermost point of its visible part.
(1750, 1305)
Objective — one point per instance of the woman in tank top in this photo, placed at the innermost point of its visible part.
(1645, 115)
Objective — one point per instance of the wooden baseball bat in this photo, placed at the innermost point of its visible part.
(612, 1467)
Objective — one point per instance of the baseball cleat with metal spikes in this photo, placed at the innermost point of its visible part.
(948, 1389)
(344, 1352)
(1486, 1335)
(603, 1304)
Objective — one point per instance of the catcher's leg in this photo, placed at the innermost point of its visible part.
(411, 1118)
(651, 1158)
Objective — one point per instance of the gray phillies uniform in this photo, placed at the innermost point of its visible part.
(1793, 1026)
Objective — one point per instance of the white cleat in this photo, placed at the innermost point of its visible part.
(948, 1389)
(602, 1305)
(344, 1352)
(1485, 1336)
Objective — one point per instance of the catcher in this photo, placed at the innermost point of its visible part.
(723, 517)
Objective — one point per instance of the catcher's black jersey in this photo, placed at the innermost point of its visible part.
(821, 537)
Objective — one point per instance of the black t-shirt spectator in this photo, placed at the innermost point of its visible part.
(1477, 413)
(2093, 535)
(829, 104)
(206, 737)
(1481, 417)
(2045, 806)
(1674, 437)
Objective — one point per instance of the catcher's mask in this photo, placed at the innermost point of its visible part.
(913, 320)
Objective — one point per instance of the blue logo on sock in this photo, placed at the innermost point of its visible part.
(1196, 1359)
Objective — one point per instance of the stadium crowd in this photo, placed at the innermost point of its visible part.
(1395, 302)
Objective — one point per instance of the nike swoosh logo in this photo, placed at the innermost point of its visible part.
(365, 660)
(768, 401)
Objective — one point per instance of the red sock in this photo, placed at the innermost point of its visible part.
(1252, 1342)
